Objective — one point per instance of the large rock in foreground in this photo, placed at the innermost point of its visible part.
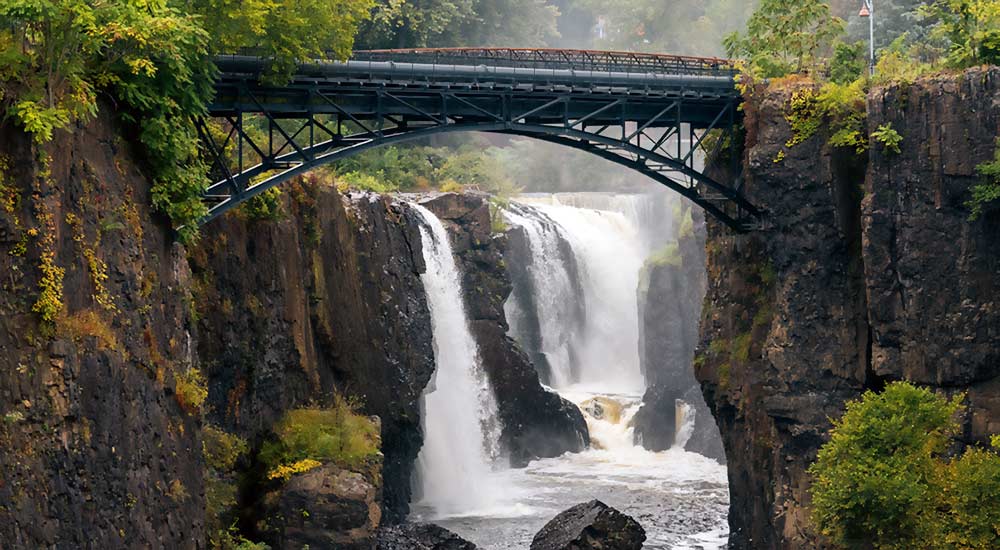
(590, 526)
(420, 536)
(328, 507)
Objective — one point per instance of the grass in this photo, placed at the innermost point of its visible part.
(310, 436)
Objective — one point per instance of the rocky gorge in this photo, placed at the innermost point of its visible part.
(124, 352)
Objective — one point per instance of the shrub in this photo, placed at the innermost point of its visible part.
(888, 137)
(305, 437)
(190, 390)
(986, 193)
(264, 207)
(221, 449)
(883, 480)
(848, 62)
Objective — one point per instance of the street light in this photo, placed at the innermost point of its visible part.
(868, 11)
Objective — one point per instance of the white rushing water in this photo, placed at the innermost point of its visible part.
(461, 426)
(586, 251)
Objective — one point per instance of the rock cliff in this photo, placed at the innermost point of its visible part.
(326, 299)
(537, 422)
(869, 270)
(98, 447)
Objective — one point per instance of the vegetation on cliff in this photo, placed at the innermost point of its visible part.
(885, 478)
(307, 437)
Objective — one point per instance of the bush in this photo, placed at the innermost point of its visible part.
(986, 193)
(888, 137)
(883, 480)
(848, 62)
(191, 390)
(307, 437)
(264, 207)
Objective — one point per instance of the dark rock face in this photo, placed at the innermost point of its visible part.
(95, 448)
(327, 299)
(327, 507)
(670, 297)
(590, 526)
(537, 423)
(420, 536)
(840, 294)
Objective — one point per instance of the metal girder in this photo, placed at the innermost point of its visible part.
(356, 112)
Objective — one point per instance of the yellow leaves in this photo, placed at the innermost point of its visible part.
(141, 66)
(284, 472)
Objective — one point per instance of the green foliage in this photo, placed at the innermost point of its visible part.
(56, 56)
(338, 434)
(264, 207)
(883, 482)
(971, 27)
(986, 193)
(900, 63)
(368, 182)
(842, 107)
(285, 32)
(784, 37)
(848, 62)
(888, 137)
(221, 449)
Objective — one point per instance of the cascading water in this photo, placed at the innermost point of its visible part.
(608, 252)
(578, 275)
(461, 427)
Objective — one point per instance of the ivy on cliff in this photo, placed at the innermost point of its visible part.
(986, 193)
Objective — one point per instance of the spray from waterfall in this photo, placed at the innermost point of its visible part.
(461, 425)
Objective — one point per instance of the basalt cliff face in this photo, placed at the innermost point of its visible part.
(869, 271)
(97, 448)
(327, 299)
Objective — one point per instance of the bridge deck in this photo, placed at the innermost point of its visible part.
(644, 111)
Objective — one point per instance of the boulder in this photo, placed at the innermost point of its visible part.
(326, 507)
(590, 526)
(420, 536)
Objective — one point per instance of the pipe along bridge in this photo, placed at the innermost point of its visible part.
(647, 112)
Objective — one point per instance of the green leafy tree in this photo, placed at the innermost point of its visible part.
(56, 56)
(784, 37)
(883, 481)
(972, 27)
(287, 31)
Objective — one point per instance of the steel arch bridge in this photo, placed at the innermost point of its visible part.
(647, 112)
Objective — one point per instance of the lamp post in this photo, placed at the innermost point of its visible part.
(868, 11)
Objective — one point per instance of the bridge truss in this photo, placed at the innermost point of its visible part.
(648, 113)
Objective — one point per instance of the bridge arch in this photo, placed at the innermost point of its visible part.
(611, 113)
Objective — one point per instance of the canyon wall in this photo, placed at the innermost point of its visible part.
(326, 299)
(99, 447)
(867, 271)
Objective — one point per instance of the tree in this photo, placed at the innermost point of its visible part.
(287, 31)
(784, 37)
(971, 26)
(884, 481)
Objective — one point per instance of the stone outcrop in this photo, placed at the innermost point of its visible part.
(671, 289)
(327, 507)
(420, 536)
(590, 526)
(326, 299)
(847, 288)
(537, 423)
(97, 447)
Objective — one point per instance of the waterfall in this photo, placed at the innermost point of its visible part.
(461, 426)
(601, 349)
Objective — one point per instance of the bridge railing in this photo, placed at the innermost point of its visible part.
(589, 60)
(550, 58)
